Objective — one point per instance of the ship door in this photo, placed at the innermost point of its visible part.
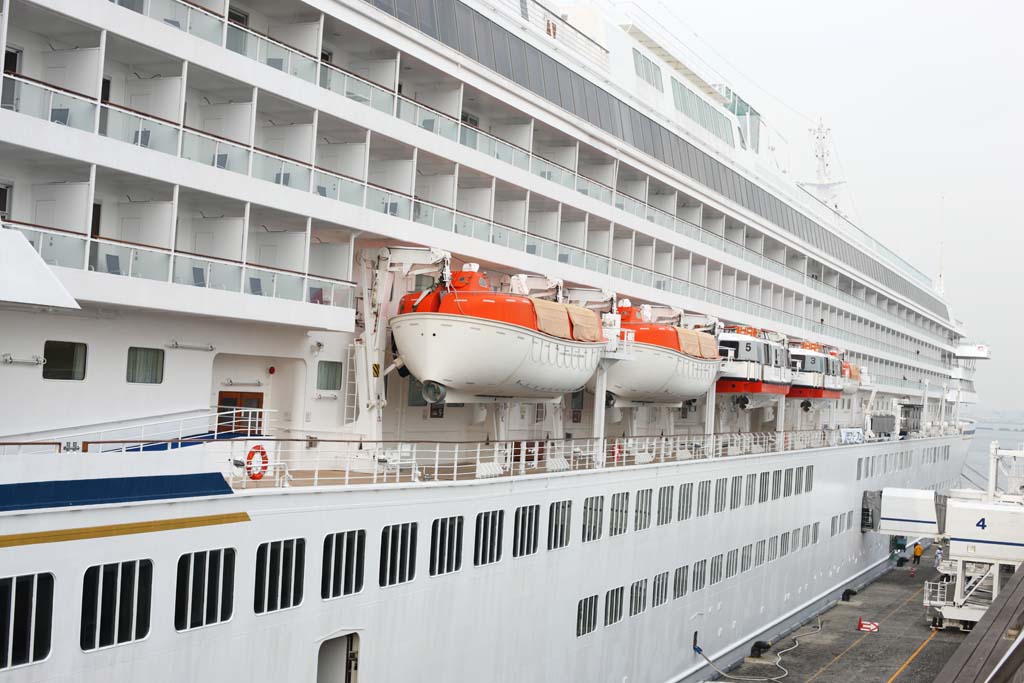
(240, 412)
(338, 661)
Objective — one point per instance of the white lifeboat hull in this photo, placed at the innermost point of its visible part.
(489, 359)
(660, 375)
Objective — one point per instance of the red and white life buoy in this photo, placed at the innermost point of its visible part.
(256, 473)
(617, 453)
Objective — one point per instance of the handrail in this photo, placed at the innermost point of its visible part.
(427, 106)
(282, 157)
(356, 76)
(258, 34)
(218, 259)
(147, 247)
(35, 81)
(136, 112)
(214, 136)
(44, 228)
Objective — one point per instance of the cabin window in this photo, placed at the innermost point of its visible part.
(699, 575)
(732, 563)
(751, 496)
(490, 531)
(666, 494)
(586, 616)
(145, 366)
(559, 518)
(280, 567)
(814, 532)
(205, 589)
(659, 591)
(593, 518)
(680, 582)
(64, 360)
(343, 563)
(808, 478)
(527, 525)
(446, 545)
(618, 522)
(794, 540)
(721, 493)
(613, 606)
(736, 496)
(806, 535)
(764, 487)
(26, 619)
(784, 544)
(746, 557)
(776, 484)
(643, 509)
(773, 548)
(798, 480)
(703, 497)
(759, 552)
(638, 597)
(685, 501)
(116, 600)
(397, 554)
(787, 486)
(716, 569)
(329, 375)
(849, 519)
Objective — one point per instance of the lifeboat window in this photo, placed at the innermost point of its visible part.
(699, 575)
(721, 493)
(680, 582)
(593, 518)
(613, 606)
(715, 575)
(490, 528)
(205, 589)
(559, 518)
(446, 545)
(344, 559)
(26, 611)
(659, 591)
(685, 501)
(586, 616)
(638, 597)
(666, 494)
(619, 522)
(525, 537)
(703, 497)
(643, 509)
(729, 349)
(397, 554)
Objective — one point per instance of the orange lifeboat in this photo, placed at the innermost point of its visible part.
(817, 372)
(469, 343)
(670, 364)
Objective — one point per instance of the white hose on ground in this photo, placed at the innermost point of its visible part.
(778, 659)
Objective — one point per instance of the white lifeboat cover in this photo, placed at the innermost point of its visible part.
(25, 278)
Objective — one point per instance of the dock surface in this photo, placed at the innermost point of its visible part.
(904, 650)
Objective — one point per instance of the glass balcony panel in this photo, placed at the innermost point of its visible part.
(517, 240)
(388, 202)
(200, 272)
(243, 42)
(62, 250)
(328, 293)
(170, 12)
(280, 171)
(216, 153)
(202, 25)
(150, 264)
(135, 130)
(434, 216)
(539, 246)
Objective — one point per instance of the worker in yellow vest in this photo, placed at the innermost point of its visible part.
(918, 552)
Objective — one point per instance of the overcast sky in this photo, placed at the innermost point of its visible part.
(925, 101)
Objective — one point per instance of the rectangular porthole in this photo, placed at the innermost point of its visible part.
(619, 514)
(586, 616)
(116, 601)
(526, 533)
(26, 619)
(490, 527)
(397, 554)
(280, 567)
(445, 545)
(613, 606)
(559, 524)
(593, 518)
(343, 564)
(643, 509)
(205, 588)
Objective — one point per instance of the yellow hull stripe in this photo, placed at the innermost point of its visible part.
(87, 532)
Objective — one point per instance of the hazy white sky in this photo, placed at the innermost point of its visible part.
(926, 105)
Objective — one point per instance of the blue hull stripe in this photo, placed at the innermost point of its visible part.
(978, 540)
(912, 521)
(50, 494)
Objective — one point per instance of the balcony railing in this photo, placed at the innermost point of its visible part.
(47, 102)
(280, 170)
(55, 246)
(214, 151)
(273, 53)
(137, 128)
(266, 50)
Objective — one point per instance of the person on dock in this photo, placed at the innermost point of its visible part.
(918, 552)
(938, 557)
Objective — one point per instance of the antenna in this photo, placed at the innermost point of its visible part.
(824, 189)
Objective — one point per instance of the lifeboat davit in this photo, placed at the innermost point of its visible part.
(467, 342)
(754, 363)
(817, 373)
(671, 364)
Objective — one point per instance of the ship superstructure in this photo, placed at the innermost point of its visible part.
(334, 293)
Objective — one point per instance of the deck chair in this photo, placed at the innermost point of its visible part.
(141, 138)
(113, 264)
(198, 276)
(61, 115)
(256, 286)
(220, 160)
(316, 295)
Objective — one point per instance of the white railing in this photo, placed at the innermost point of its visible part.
(48, 103)
(192, 19)
(356, 88)
(139, 129)
(167, 434)
(56, 247)
(271, 52)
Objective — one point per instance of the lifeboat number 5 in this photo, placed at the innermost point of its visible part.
(255, 470)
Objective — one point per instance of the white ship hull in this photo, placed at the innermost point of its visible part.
(659, 375)
(491, 359)
(512, 620)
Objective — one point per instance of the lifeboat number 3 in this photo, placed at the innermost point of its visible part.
(256, 470)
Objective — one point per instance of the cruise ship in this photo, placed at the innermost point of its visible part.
(447, 340)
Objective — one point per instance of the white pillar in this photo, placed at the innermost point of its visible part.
(709, 418)
(600, 389)
(993, 470)
(780, 424)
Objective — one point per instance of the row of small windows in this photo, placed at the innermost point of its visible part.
(699, 110)
(683, 581)
(647, 70)
(934, 454)
(65, 360)
(841, 523)
(480, 39)
(884, 463)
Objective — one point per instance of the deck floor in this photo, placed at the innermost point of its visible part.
(905, 650)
